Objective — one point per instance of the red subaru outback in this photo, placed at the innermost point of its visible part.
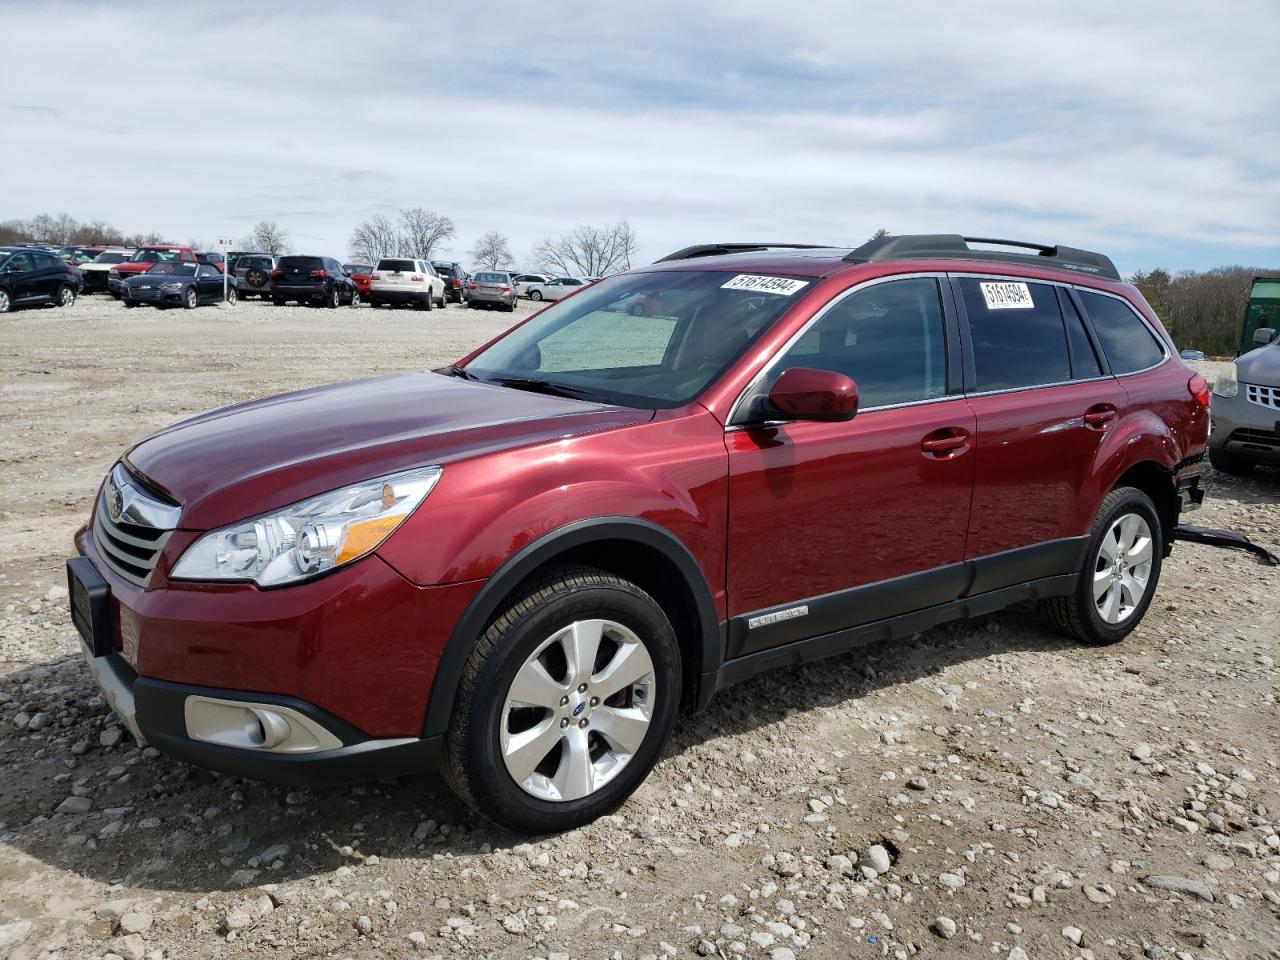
(519, 568)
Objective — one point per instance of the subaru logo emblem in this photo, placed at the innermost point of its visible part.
(577, 711)
(115, 502)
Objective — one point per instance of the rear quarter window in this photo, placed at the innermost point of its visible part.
(1017, 333)
(1126, 340)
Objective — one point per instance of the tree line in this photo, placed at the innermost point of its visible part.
(1202, 310)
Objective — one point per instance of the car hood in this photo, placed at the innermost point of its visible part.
(156, 278)
(250, 458)
(1261, 366)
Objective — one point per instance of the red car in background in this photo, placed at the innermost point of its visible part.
(520, 568)
(361, 273)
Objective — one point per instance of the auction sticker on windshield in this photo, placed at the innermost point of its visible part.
(783, 286)
(1007, 296)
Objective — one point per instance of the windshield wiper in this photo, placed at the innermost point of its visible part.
(537, 385)
(453, 370)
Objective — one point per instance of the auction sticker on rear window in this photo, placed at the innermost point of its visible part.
(783, 286)
(1007, 296)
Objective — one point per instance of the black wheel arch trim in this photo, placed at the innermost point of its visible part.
(518, 567)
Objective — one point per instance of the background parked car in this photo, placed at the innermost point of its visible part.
(94, 274)
(213, 258)
(79, 255)
(557, 288)
(455, 279)
(319, 280)
(30, 277)
(175, 284)
(253, 274)
(492, 289)
(401, 281)
(361, 273)
(525, 280)
(142, 260)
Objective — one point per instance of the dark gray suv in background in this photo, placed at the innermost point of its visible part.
(1246, 409)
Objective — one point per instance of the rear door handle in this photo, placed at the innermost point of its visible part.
(1099, 415)
(945, 443)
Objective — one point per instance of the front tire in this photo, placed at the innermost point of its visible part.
(535, 295)
(334, 300)
(1120, 573)
(355, 298)
(190, 300)
(565, 703)
(1230, 463)
(66, 296)
(232, 296)
(6, 301)
(277, 302)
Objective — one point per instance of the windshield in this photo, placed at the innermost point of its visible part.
(175, 269)
(648, 340)
(154, 256)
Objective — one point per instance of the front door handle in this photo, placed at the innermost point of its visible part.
(1099, 415)
(945, 443)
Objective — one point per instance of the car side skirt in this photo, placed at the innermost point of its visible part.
(842, 641)
(788, 623)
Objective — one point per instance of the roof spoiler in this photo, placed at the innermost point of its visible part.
(952, 246)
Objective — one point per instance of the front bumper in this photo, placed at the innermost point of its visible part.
(323, 682)
(1245, 429)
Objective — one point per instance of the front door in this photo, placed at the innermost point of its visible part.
(833, 525)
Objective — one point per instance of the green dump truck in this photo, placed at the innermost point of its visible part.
(1263, 309)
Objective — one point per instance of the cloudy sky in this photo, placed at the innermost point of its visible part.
(1149, 130)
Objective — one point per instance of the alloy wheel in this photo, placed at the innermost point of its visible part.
(66, 296)
(4, 301)
(578, 710)
(1122, 568)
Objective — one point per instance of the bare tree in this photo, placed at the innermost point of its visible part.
(423, 231)
(589, 251)
(268, 237)
(492, 251)
(880, 234)
(374, 239)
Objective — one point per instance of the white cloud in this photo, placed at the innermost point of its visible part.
(1147, 132)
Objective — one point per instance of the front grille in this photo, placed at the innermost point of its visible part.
(128, 542)
(1264, 438)
(138, 293)
(1263, 396)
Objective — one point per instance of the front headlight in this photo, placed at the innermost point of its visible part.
(114, 273)
(308, 538)
(1227, 385)
(171, 287)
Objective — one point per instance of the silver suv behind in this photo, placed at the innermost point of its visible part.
(1246, 409)
(253, 274)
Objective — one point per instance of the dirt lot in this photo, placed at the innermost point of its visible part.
(986, 789)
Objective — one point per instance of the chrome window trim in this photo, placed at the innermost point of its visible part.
(822, 311)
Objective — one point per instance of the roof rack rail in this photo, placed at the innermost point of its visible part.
(716, 249)
(955, 247)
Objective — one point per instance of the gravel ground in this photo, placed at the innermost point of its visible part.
(985, 789)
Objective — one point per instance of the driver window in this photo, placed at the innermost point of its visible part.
(888, 337)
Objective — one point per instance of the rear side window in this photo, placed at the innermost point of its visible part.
(1017, 333)
(887, 337)
(403, 266)
(1126, 340)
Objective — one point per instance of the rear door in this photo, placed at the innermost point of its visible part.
(23, 277)
(1043, 405)
(833, 525)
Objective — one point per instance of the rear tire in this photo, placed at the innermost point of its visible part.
(1120, 572)
(277, 302)
(355, 298)
(619, 730)
(232, 296)
(66, 296)
(1230, 463)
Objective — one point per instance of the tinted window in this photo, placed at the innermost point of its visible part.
(404, 266)
(20, 262)
(1017, 333)
(1084, 362)
(301, 263)
(888, 337)
(45, 261)
(1125, 339)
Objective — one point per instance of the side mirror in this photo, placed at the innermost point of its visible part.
(803, 393)
(1262, 336)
